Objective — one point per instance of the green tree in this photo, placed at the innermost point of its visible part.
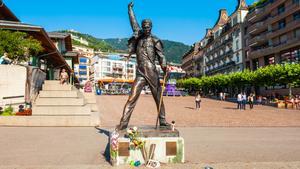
(283, 74)
(18, 46)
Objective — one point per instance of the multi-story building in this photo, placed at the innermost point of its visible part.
(188, 62)
(112, 67)
(199, 59)
(222, 44)
(82, 70)
(272, 33)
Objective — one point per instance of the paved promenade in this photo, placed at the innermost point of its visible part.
(181, 109)
(240, 148)
(218, 135)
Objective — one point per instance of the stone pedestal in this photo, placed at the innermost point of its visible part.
(161, 145)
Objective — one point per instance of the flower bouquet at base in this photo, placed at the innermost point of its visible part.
(135, 141)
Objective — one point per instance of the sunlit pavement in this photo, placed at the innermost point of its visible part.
(42, 147)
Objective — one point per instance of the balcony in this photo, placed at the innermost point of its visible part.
(263, 10)
(257, 14)
(258, 39)
(230, 52)
(220, 68)
(229, 40)
(289, 27)
(258, 27)
(275, 48)
(289, 10)
(117, 72)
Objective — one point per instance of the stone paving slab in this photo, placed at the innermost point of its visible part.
(260, 165)
(78, 147)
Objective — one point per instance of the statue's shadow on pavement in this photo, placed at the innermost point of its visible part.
(106, 153)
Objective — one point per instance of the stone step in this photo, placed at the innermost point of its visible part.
(51, 121)
(59, 94)
(61, 110)
(90, 100)
(59, 102)
(57, 87)
(87, 95)
(94, 107)
(52, 82)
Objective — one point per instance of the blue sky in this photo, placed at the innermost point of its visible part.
(179, 20)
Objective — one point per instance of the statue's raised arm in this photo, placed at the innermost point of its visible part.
(134, 24)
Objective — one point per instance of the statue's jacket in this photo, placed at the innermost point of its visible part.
(147, 50)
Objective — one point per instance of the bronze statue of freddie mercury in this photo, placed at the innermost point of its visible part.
(147, 48)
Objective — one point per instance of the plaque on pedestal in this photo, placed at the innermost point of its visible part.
(162, 145)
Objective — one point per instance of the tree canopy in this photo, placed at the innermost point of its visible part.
(283, 74)
(18, 46)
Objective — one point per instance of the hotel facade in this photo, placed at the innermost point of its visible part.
(272, 34)
(221, 50)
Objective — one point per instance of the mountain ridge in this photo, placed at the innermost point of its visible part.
(173, 50)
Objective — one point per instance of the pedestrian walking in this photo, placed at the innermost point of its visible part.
(244, 101)
(221, 96)
(64, 77)
(239, 101)
(297, 102)
(198, 101)
(251, 100)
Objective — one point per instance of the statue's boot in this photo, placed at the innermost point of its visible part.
(164, 124)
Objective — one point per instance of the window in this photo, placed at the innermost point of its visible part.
(297, 33)
(281, 9)
(106, 63)
(83, 60)
(291, 56)
(237, 44)
(283, 39)
(237, 58)
(106, 69)
(281, 24)
(81, 79)
(245, 30)
(255, 64)
(82, 73)
(296, 16)
(82, 67)
(234, 21)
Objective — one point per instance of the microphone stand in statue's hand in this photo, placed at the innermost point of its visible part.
(161, 96)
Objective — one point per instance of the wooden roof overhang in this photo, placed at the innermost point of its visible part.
(50, 53)
(6, 13)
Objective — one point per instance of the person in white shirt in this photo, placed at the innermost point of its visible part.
(244, 101)
(198, 100)
(221, 96)
(239, 101)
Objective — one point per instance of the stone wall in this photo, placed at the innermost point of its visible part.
(12, 83)
(15, 88)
